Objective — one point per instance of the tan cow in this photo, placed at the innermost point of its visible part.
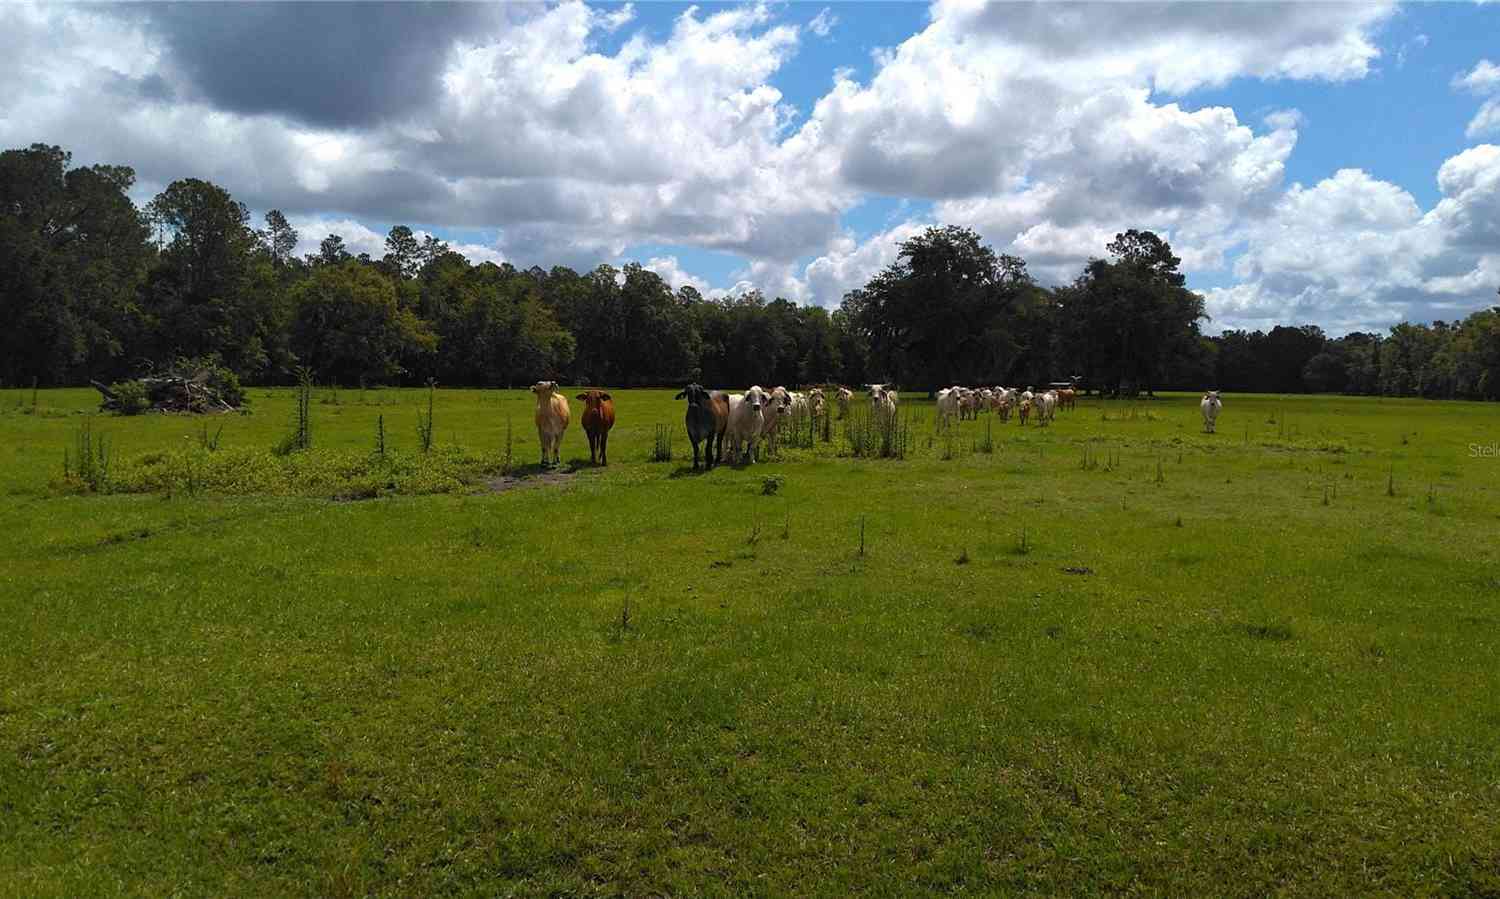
(552, 417)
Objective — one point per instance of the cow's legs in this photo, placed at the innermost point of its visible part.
(604, 448)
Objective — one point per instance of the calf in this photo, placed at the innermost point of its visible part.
(1025, 409)
(746, 422)
(707, 418)
(1210, 405)
(968, 404)
(552, 417)
(598, 418)
(844, 396)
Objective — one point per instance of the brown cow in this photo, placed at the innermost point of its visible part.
(598, 418)
(1067, 398)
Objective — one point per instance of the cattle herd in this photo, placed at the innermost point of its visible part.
(746, 419)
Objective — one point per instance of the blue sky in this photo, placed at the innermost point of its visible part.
(1335, 163)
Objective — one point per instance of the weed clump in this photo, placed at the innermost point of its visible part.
(299, 439)
(662, 450)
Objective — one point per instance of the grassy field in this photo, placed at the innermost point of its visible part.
(1117, 654)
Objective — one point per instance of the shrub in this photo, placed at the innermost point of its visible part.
(131, 397)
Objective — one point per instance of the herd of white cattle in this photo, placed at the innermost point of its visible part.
(759, 414)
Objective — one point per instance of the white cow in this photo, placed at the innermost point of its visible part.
(816, 401)
(552, 416)
(777, 411)
(1046, 407)
(747, 421)
(882, 400)
(947, 405)
(1211, 405)
(844, 396)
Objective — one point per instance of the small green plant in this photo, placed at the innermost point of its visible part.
(1178, 523)
(861, 536)
(878, 435)
(380, 436)
(625, 615)
(300, 437)
(662, 450)
(91, 453)
(424, 422)
(770, 484)
(508, 456)
(1390, 481)
(207, 443)
(754, 537)
(963, 557)
(987, 443)
(786, 527)
(131, 397)
(1023, 546)
(1160, 477)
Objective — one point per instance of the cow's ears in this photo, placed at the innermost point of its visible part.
(680, 395)
(582, 396)
(605, 396)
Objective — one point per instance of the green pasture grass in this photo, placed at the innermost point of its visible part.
(1115, 654)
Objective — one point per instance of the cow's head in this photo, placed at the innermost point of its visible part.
(781, 400)
(544, 389)
(877, 392)
(695, 395)
(592, 399)
(756, 398)
(1212, 395)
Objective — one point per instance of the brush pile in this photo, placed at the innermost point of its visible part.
(185, 389)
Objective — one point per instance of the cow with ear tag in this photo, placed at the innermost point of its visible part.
(552, 417)
(598, 418)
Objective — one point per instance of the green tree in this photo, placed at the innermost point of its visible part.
(279, 238)
(198, 289)
(938, 314)
(403, 253)
(73, 252)
(348, 328)
(1132, 316)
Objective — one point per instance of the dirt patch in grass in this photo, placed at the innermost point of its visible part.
(530, 479)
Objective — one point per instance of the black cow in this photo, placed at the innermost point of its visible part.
(707, 417)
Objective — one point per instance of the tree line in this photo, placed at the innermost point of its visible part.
(93, 287)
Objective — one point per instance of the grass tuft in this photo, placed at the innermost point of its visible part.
(1275, 633)
(661, 450)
